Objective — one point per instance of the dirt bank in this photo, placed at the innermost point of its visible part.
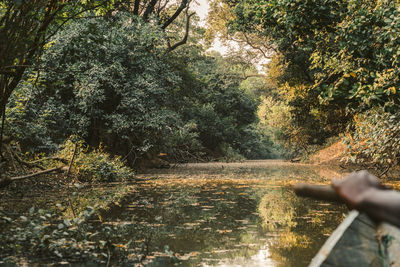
(331, 155)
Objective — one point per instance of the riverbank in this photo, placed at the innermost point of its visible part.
(334, 156)
(331, 155)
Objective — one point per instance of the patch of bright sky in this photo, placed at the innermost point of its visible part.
(201, 8)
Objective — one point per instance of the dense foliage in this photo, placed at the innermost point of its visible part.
(110, 81)
(375, 140)
(334, 59)
(93, 165)
(102, 80)
(99, 85)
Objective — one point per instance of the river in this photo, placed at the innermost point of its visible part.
(227, 214)
(203, 214)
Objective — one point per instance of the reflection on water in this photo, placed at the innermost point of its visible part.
(237, 214)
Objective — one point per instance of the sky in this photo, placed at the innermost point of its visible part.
(201, 9)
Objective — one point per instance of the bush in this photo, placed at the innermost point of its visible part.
(375, 139)
(182, 144)
(49, 235)
(230, 154)
(276, 119)
(256, 143)
(95, 165)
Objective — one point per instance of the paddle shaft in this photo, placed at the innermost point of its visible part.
(320, 192)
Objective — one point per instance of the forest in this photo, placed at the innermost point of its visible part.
(95, 92)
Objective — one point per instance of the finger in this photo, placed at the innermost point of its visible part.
(335, 183)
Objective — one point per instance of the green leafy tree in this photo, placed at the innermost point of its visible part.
(103, 80)
(110, 81)
(342, 53)
(25, 28)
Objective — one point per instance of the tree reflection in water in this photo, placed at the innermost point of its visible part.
(243, 214)
(301, 226)
(232, 216)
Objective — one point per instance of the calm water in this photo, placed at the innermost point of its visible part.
(220, 214)
(214, 214)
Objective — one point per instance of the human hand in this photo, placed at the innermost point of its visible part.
(353, 188)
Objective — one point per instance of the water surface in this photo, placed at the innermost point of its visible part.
(227, 214)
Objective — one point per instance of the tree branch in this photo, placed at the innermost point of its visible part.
(181, 7)
(255, 75)
(255, 47)
(72, 159)
(136, 7)
(245, 77)
(51, 158)
(7, 181)
(149, 9)
(184, 40)
(21, 161)
(161, 8)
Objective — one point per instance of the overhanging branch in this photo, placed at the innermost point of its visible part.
(181, 7)
(149, 9)
(184, 40)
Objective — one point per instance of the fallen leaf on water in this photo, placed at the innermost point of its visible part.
(224, 231)
(119, 245)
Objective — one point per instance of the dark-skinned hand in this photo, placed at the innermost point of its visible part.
(353, 188)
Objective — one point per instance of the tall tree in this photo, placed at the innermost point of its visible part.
(25, 28)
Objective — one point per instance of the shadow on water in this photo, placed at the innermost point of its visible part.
(236, 214)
